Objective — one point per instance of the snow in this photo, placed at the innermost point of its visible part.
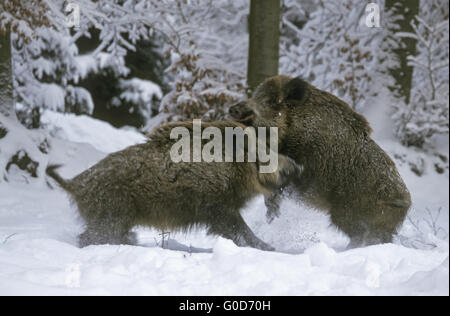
(18, 139)
(86, 64)
(142, 93)
(138, 90)
(81, 98)
(51, 97)
(84, 129)
(92, 63)
(39, 228)
(54, 266)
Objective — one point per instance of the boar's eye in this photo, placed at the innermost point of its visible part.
(240, 111)
(296, 90)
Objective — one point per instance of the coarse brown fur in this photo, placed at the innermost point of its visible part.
(345, 171)
(141, 185)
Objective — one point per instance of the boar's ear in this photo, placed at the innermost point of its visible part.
(296, 90)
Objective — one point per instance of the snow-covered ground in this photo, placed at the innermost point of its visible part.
(38, 231)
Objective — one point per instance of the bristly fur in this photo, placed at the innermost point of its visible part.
(141, 185)
(345, 171)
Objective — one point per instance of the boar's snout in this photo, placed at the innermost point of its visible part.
(241, 112)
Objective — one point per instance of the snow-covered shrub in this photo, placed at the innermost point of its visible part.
(22, 16)
(120, 98)
(21, 149)
(335, 50)
(294, 15)
(208, 45)
(141, 95)
(43, 71)
(424, 232)
(203, 87)
(47, 70)
(78, 100)
(428, 112)
(43, 63)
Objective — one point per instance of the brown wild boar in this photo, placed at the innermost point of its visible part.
(142, 185)
(345, 171)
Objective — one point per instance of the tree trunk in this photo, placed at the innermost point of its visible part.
(264, 29)
(403, 75)
(6, 85)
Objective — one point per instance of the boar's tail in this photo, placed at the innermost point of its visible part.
(51, 172)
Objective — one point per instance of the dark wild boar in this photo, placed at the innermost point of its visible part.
(141, 185)
(345, 171)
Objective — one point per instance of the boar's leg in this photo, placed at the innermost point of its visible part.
(371, 226)
(272, 202)
(291, 186)
(356, 229)
(385, 219)
(362, 232)
(369, 236)
(107, 231)
(235, 228)
(94, 236)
